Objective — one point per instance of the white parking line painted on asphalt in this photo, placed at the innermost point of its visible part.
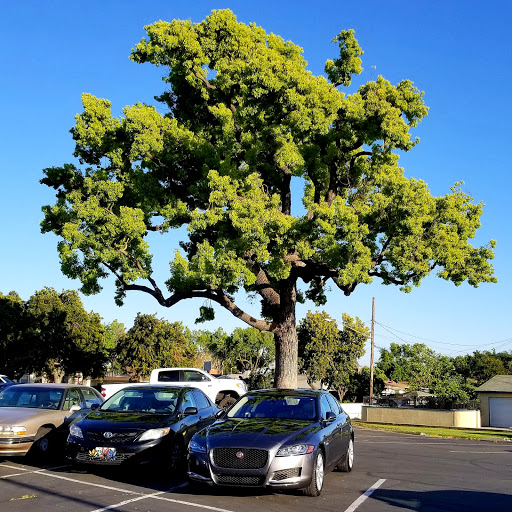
(15, 474)
(120, 504)
(190, 504)
(27, 471)
(140, 496)
(75, 480)
(365, 496)
(465, 451)
(13, 467)
(418, 443)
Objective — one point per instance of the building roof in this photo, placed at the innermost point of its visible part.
(498, 384)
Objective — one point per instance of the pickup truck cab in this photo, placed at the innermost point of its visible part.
(223, 392)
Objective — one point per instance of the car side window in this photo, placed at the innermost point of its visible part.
(326, 406)
(169, 376)
(192, 376)
(188, 401)
(72, 398)
(90, 398)
(201, 400)
(335, 406)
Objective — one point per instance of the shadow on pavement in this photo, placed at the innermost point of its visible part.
(444, 501)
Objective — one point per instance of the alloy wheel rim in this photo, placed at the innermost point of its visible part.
(350, 454)
(319, 471)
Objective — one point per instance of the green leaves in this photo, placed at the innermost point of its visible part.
(340, 71)
(241, 119)
(155, 343)
(329, 355)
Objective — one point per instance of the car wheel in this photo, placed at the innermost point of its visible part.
(177, 457)
(226, 402)
(317, 478)
(348, 461)
(44, 443)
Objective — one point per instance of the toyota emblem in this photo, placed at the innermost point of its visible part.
(108, 435)
(239, 455)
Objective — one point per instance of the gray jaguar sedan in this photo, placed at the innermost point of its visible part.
(276, 438)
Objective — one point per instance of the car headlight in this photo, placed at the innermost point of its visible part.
(194, 446)
(154, 433)
(76, 431)
(296, 449)
(15, 430)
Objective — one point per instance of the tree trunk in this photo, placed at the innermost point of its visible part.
(286, 340)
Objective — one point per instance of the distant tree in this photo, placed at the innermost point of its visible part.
(327, 354)
(12, 325)
(423, 368)
(359, 385)
(215, 348)
(241, 121)
(154, 343)
(452, 388)
(485, 365)
(114, 333)
(61, 337)
(415, 364)
(245, 350)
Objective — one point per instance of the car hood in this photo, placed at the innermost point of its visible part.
(100, 420)
(30, 417)
(263, 433)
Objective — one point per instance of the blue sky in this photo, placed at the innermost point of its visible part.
(458, 52)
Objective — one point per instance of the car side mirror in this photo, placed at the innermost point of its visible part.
(94, 406)
(219, 414)
(329, 417)
(75, 408)
(189, 411)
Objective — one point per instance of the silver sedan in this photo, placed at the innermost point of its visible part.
(276, 438)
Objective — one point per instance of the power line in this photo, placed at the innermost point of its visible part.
(387, 328)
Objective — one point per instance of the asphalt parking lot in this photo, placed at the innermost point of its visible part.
(392, 472)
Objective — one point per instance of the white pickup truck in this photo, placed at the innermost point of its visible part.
(223, 392)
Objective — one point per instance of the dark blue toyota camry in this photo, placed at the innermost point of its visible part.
(141, 424)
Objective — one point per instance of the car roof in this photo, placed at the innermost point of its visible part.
(149, 385)
(51, 385)
(288, 392)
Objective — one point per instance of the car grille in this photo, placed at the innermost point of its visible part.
(283, 474)
(251, 459)
(240, 480)
(117, 437)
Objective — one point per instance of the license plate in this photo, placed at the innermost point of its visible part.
(106, 454)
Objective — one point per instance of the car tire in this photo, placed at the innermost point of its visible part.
(44, 443)
(347, 463)
(226, 402)
(177, 457)
(317, 478)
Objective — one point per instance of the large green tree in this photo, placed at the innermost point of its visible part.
(241, 116)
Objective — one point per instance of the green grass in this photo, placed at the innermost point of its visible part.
(474, 434)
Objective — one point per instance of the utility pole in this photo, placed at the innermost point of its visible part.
(371, 357)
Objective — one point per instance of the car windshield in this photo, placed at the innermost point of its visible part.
(33, 397)
(156, 401)
(271, 406)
